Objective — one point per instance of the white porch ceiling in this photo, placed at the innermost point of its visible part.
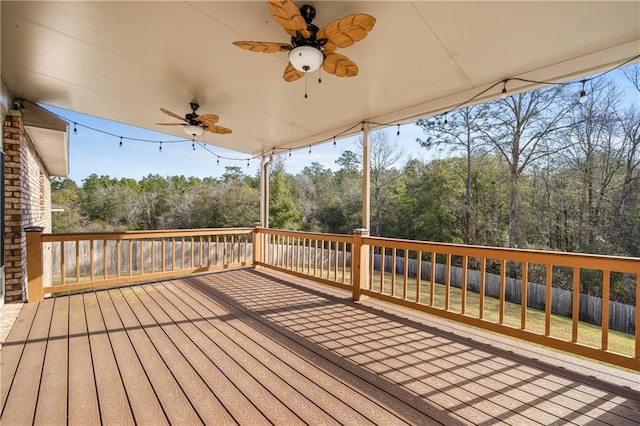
(124, 60)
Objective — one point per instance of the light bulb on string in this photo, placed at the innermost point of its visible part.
(289, 152)
(75, 129)
(193, 145)
(504, 90)
(247, 163)
(583, 94)
(120, 144)
(160, 147)
(334, 141)
(218, 160)
(398, 133)
(309, 149)
(445, 119)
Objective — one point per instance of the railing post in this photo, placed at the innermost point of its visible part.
(34, 263)
(257, 245)
(359, 263)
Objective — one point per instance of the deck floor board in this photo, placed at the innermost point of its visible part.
(253, 347)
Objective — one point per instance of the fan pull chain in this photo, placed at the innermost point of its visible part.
(305, 85)
(320, 75)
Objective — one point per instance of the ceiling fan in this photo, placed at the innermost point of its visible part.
(194, 124)
(312, 47)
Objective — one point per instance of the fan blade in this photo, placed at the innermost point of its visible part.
(339, 65)
(288, 15)
(208, 119)
(172, 114)
(291, 74)
(219, 130)
(170, 124)
(263, 46)
(346, 31)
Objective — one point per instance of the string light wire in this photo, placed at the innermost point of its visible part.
(275, 150)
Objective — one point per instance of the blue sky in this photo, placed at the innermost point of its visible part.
(95, 152)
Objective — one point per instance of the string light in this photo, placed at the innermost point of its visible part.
(503, 94)
(247, 163)
(583, 94)
(193, 145)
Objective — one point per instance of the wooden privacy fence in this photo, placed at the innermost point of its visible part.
(462, 290)
(85, 260)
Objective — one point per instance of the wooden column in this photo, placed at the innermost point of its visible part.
(34, 263)
(359, 263)
(257, 245)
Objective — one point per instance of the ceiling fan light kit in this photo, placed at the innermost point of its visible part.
(306, 58)
(193, 130)
(311, 47)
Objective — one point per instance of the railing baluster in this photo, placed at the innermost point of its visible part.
(524, 281)
(173, 254)
(447, 283)
(209, 251)
(315, 258)
(432, 289)
(142, 245)
(130, 257)
(606, 285)
(104, 259)
(344, 263)
(483, 263)
(153, 255)
(163, 251)
(393, 270)
(118, 259)
(547, 300)
(63, 271)
(182, 249)
(503, 283)
(91, 261)
(383, 255)
(575, 304)
(418, 275)
(405, 284)
(77, 244)
(464, 285)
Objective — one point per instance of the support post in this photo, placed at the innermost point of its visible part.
(257, 245)
(359, 263)
(264, 191)
(34, 263)
(366, 178)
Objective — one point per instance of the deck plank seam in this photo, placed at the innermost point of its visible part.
(301, 395)
(196, 370)
(229, 304)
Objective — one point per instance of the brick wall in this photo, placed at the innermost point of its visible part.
(27, 202)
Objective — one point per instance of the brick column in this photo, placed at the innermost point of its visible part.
(15, 241)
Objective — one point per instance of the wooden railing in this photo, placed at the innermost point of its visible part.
(322, 257)
(509, 291)
(86, 260)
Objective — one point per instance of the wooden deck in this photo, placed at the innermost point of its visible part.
(251, 347)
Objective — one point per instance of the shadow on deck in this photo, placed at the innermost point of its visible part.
(254, 347)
